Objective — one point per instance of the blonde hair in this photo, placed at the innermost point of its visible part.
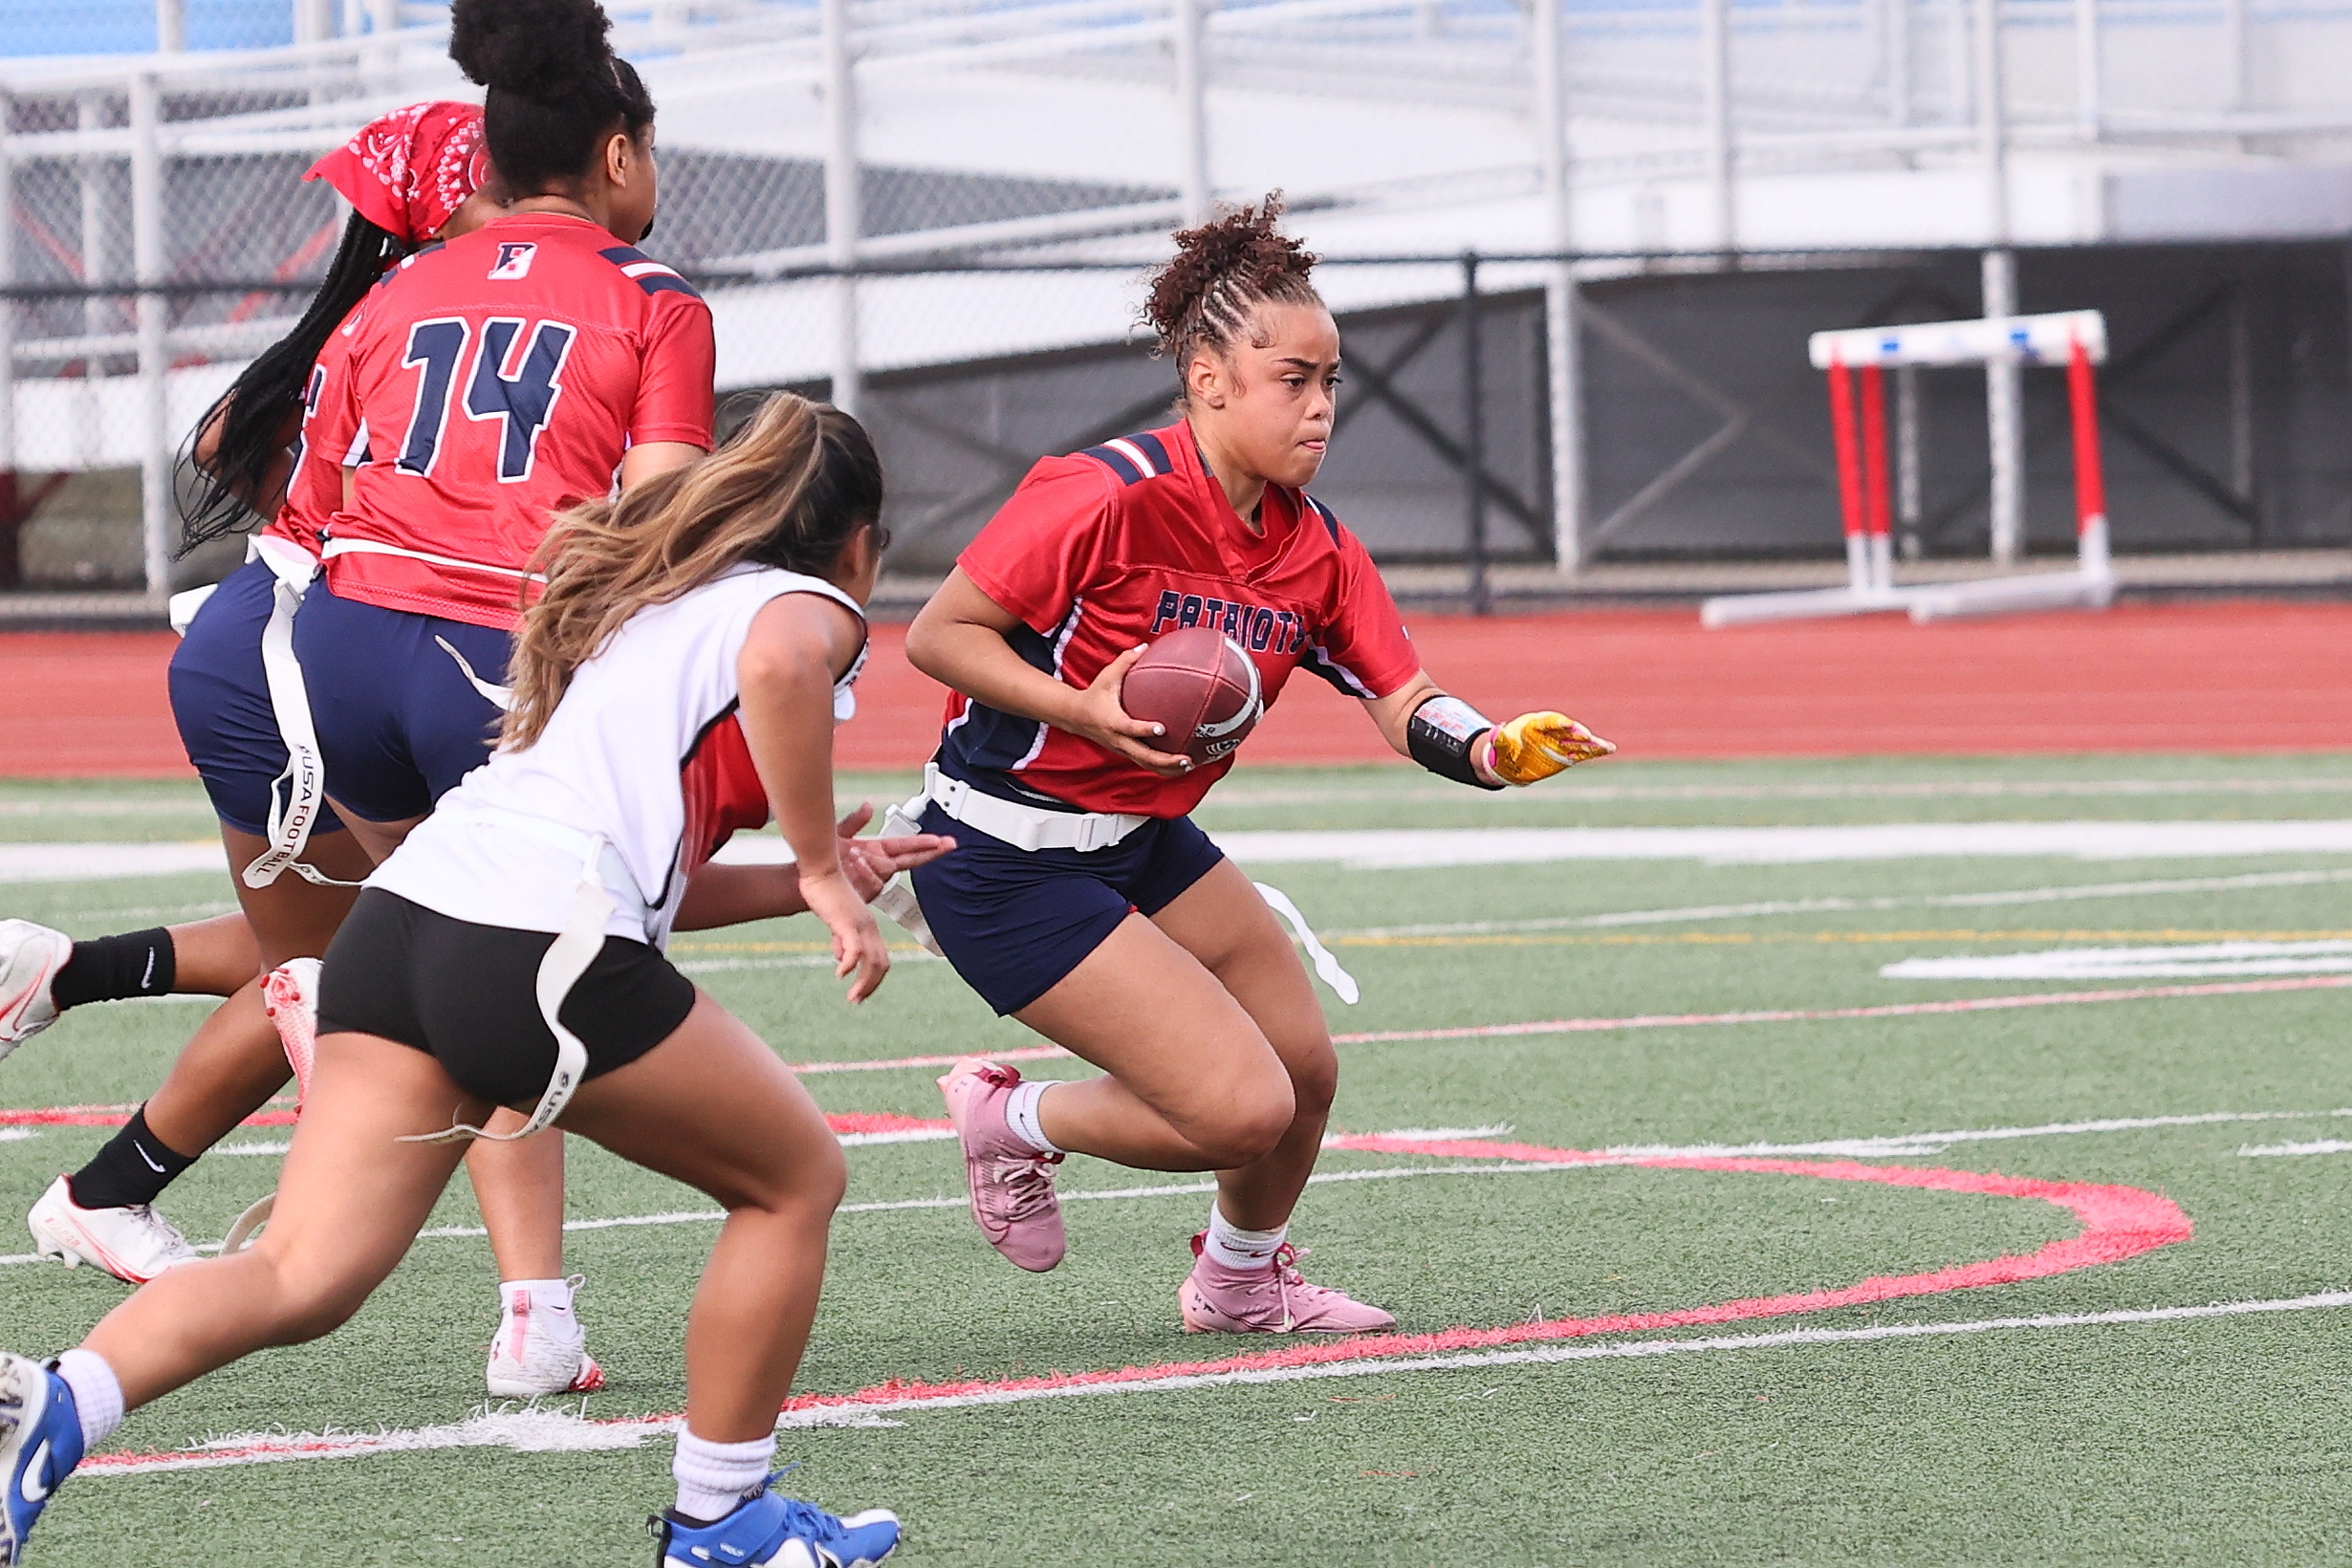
(790, 489)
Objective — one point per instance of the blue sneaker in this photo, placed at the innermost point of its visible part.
(40, 1442)
(771, 1528)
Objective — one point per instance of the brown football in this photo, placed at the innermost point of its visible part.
(1203, 686)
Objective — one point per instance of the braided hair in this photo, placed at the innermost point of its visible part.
(1205, 299)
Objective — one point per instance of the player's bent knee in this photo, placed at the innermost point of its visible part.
(1249, 1131)
(808, 1183)
(1315, 1080)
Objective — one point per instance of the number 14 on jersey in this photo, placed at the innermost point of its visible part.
(516, 386)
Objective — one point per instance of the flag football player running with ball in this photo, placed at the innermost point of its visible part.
(1081, 898)
(510, 953)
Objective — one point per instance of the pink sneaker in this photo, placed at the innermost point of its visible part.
(290, 995)
(1011, 1183)
(1215, 1299)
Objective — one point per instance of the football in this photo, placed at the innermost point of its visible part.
(1200, 684)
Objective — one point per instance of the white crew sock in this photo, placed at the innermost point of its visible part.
(1021, 1115)
(98, 1394)
(551, 1306)
(713, 1477)
(1237, 1249)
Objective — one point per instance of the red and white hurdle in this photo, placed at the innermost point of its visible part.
(2078, 340)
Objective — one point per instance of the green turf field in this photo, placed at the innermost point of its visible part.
(2215, 1439)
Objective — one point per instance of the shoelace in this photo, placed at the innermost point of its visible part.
(1028, 1182)
(157, 1228)
(810, 1520)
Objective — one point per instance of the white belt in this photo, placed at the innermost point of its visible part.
(293, 808)
(567, 958)
(1024, 827)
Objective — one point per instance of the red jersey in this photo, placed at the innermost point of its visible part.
(497, 380)
(329, 444)
(1113, 546)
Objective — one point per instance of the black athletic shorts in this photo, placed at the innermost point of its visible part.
(464, 994)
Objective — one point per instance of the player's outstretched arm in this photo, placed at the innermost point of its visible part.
(1453, 740)
(799, 645)
(730, 895)
(959, 639)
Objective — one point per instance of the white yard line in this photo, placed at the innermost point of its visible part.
(537, 1430)
(2064, 892)
(2324, 1145)
(2189, 961)
(1401, 848)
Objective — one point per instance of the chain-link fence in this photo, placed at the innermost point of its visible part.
(1698, 431)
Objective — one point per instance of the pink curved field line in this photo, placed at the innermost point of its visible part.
(2118, 1222)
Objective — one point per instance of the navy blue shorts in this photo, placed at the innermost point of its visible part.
(1013, 922)
(399, 723)
(220, 702)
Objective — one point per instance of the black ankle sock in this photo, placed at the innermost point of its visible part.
(134, 1167)
(107, 969)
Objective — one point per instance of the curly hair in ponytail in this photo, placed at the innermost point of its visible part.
(788, 489)
(1205, 299)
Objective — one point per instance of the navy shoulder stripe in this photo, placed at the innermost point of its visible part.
(1154, 450)
(1117, 461)
(653, 277)
(1331, 518)
(1133, 458)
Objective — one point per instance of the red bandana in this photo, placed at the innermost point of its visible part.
(407, 171)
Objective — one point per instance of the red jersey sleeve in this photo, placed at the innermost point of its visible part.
(674, 397)
(1362, 647)
(1043, 546)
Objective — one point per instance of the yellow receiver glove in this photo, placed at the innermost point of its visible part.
(1537, 745)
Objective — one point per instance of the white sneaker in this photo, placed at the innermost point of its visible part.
(134, 1243)
(528, 1361)
(290, 995)
(29, 958)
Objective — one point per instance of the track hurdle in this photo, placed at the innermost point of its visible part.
(2076, 339)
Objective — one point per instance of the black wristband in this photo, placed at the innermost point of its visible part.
(1442, 734)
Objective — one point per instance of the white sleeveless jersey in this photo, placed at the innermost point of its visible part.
(643, 753)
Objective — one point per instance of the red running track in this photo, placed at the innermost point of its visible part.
(2245, 676)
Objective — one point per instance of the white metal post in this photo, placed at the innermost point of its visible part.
(843, 217)
(170, 26)
(2004, 386)
(1563, 400)
(2088, 88)
(2005, 415)
(147, 266)
(384, 20)
(313, 21)
(1992, 121)
(1716, 106)
(1192, 109)
(90, 168)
